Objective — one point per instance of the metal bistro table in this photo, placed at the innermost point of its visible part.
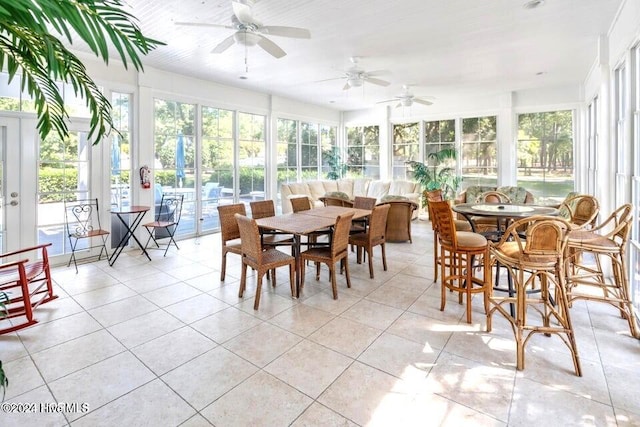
(306, 222)
(135, 213)
(504, 213)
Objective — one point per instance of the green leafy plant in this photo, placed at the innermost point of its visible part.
(28, 49)
(438, 173)
(337, 169)
(4, 381)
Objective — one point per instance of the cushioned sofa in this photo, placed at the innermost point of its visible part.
(381, 190)
(515, 194)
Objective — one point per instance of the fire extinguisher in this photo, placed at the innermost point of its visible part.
(145, 177)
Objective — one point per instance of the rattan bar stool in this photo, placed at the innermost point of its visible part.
(460, 251)
(609, 241)
(535, 262)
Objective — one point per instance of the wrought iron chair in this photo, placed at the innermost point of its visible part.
(82, 221)
(27, 284)
(167, 221)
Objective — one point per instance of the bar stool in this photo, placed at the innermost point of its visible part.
(607, 241)
(459, 250)
(535, 262)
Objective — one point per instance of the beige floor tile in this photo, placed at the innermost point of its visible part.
(47, 335)
(12, 347)
(197, 421)
(309, 367)
(151, 282)
(185, 272)
(144, 328)
(55, 362)
(208, 376)
(483, 347)
(372, 314)
(271, 304)
(102, 296)
(262, 400)
(624, 388)
(23, 376)
(225, 324)
(345, 336)
(324, 301)
(485, 388)
(547, 405)
(399, 357)
(302, 319)
(36, 417)
(153, 404)
(173, 349)
(395, 297)
(428, 332)
(410, 282)
(57, 309)
(318, 415)
(206, 282)
(123, 310)
(196, 308)
(262, 344)
(171, 294)
(101, 383)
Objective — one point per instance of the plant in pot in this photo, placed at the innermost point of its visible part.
(437, 173)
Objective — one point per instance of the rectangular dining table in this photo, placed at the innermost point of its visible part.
(302, 223)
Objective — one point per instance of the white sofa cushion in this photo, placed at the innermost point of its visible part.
(329, 186)
(316, 189)
(345, 186)
(378, 189)
(299, 188)
(400, 188)
(361, 187)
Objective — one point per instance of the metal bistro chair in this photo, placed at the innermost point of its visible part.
(82, 220)
(167, 221)
(535, 262)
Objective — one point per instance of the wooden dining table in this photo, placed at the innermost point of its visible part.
(303, 223)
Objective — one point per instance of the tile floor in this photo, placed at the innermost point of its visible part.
(165, 343)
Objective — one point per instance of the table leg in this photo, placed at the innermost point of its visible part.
(296, 248)
(129, 233)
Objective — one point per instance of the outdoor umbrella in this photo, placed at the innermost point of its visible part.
(180, 159)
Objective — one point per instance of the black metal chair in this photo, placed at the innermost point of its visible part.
(167, 221)
(82, 220)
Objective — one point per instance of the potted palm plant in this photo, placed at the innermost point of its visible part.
(437, 173)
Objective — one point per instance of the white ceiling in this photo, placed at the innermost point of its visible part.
(441, 47)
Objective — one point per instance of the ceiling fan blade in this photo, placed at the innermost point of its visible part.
(271, 48)
(388, 100)
(422, 101)
(203, 24)
(399, 105)
(378, 73)
(328, 80)
(242, 12)
(377, 81)
(224, 45)
(293, 32)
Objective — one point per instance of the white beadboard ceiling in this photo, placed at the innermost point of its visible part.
(440, 47)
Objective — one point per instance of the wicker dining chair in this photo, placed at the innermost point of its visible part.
(336, 201)
(459, 252)
(581, 210)
(460, 224)
(230, 232)
(262, 261)
(301, 204)
(265, 209)
(586, 279)
(399, 220)
(374, 236)
(336, 252)
(535, 263)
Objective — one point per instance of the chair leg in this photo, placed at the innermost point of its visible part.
(273, 277)
(258, 291)
(223, 269)
(346, 270)
(384, 256)
(243, 280)
(334, 286)
(435, 257)
(292, 280)
(302, 273)
(370, 254)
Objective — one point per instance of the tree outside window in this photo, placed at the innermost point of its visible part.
(406, 147)
(479, 153)
(363, 152)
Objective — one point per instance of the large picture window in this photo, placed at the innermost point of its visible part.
(479, 153)
(545, 154)
(406, 147)
(363, 151)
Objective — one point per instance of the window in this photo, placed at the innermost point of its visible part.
(327, 145)
(63, 175)
(120, 150)
(251, 156)
(363, 151)
(287, 148)
(479, 155)
(175, 152)
(216, 172)
(592, 144)
(545, 154)
(309, 151)
(406, 147)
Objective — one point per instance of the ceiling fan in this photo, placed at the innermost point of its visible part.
(356, 76)
(250, 32)
(406, 98)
